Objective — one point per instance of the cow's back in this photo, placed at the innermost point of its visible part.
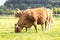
(38, 14)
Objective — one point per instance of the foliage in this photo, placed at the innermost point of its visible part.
(56, 10)
(6, 11)
(9, 11)
(24, 4)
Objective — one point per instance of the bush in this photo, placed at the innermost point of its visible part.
(6, 11)
(56, 10)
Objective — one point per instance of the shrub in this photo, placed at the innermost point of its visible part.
(56, 10)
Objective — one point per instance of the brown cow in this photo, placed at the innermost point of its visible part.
(33, 17)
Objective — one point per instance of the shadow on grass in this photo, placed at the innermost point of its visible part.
(29, 31)
(22, 32)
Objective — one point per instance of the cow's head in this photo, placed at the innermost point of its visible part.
(17, 28)
(18, 13)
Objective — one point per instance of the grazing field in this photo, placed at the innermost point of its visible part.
(7, 30)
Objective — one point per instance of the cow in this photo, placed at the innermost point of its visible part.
(34, 17)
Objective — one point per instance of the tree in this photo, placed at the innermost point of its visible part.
(24, 4)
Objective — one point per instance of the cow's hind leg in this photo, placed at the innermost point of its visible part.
(46, 23)
(49, 24)
(42, 27)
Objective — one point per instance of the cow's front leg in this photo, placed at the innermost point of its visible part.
(35, 26)
(26, 29)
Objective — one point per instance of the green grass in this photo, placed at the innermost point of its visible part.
(7, 30)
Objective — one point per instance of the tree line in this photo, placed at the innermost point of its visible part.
(11, 5)
(24, 4)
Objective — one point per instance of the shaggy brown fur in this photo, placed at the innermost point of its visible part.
(33, 17)
(18, 13)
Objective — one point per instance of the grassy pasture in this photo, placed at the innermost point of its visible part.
(7, 30)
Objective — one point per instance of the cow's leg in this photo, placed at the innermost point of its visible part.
(49, 24)
(42, 27)
(46, 23)
(26, 29)
(35, 25)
